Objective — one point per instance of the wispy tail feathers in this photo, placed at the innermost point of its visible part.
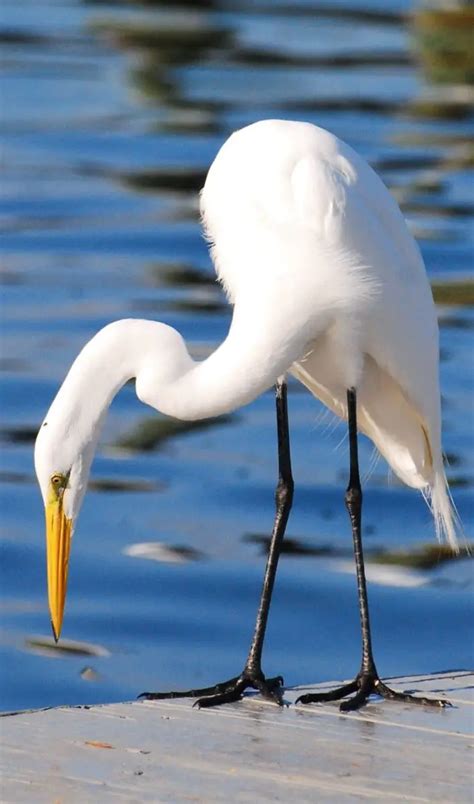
(446, 519)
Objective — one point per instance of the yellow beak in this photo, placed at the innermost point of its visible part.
(58, 546)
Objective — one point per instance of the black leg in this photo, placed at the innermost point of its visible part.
(252, 675)
(367, 681)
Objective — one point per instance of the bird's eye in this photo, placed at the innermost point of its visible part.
(57, 480)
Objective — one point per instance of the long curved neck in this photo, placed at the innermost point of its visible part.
(247, 362)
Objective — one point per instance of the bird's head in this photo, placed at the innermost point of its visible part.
(62, 463)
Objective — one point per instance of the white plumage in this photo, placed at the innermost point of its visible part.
(312, 235)
(326, 282)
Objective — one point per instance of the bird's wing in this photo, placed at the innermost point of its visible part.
(384, 322)
(316, 257)
(393, 329)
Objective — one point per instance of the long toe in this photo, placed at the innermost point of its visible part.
(332, 695)
(230, 696)
(216, 689)
(272, 690)
(404, 697)
(278, 681)
(160, 696)
(356, 702)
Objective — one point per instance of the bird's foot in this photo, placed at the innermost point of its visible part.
(364, 685)
(227, 691)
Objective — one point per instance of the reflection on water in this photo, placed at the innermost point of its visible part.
(456, 294)
(89, 674)
(424, 557)
(151, 433)
(112, 114)
(156, 551)
(444, 39)
(47, 646)
(427, 556)
(294, 547)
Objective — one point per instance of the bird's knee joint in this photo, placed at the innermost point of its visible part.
(284, 491)
(353, 497)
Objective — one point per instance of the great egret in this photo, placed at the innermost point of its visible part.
(327, 284)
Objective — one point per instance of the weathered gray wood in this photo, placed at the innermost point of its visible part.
(250, 751)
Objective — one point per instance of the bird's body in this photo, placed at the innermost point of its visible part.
(315, 252)
(326, 282)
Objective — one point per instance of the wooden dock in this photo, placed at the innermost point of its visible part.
(251, 751)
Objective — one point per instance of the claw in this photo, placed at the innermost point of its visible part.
(365, 685)
(226, 692)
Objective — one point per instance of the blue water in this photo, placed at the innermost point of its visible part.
(111, 114)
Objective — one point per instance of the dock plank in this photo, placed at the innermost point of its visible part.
(250, 751)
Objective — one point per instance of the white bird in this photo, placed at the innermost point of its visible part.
(327, 284)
